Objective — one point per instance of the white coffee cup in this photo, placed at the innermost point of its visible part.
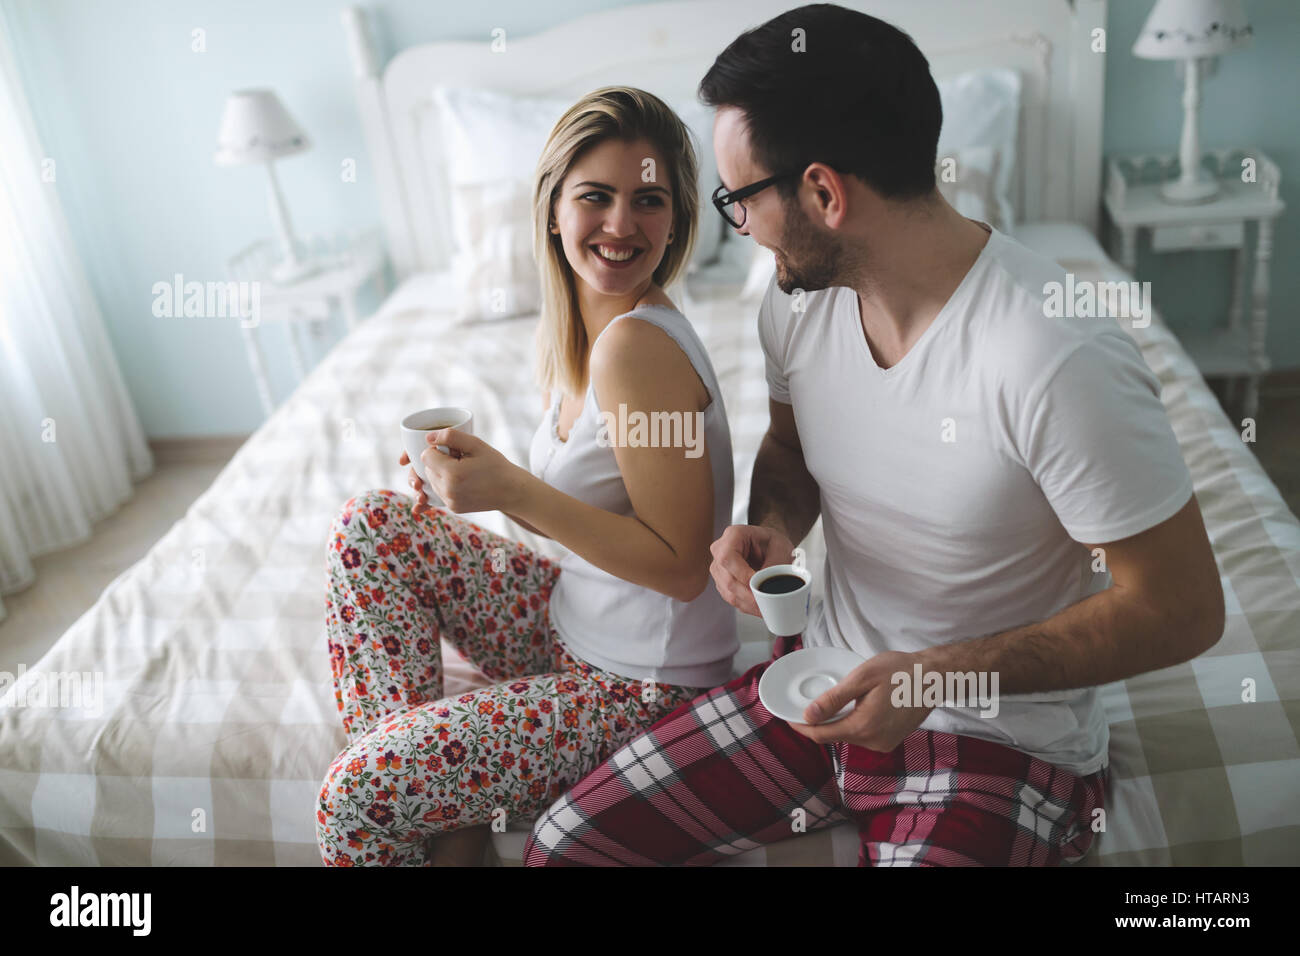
(415, 437)
(784, 614)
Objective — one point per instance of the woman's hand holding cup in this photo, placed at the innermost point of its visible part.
(466, 473)
(413, 479)
(416, 429)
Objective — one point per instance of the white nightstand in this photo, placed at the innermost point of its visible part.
(1132, 199)
(348, 262)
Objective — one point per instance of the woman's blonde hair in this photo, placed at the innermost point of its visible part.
(612, 112)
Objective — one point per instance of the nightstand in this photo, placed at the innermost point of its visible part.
(1134, 204)
(347, 263)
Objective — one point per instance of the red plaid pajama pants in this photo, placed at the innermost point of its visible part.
(721, 775)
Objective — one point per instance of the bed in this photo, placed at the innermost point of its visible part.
(217, 721)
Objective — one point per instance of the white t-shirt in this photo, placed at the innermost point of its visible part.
(616, 625)
(1055, 435)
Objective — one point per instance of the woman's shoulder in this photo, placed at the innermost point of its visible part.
(660, 324)
(658, 309)
(655, 296)
(656, 313)
(647, 324)
(662, 340)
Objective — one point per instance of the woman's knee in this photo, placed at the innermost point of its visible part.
(329, 827)
(376, 513)
(374, 507)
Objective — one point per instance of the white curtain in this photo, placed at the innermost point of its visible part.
(70, 443)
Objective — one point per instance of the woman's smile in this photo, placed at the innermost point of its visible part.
(615, 256)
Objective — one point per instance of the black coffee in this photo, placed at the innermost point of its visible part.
(781, 584)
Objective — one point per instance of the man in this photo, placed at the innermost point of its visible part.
(972, 458)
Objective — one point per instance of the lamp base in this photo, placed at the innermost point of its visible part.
(292, 270)
(1189, 192)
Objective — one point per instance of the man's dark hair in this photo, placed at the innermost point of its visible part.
(859, 98)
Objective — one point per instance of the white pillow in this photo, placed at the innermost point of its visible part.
(490, 143)
(968, 179)
(710, 228)
(981, 109)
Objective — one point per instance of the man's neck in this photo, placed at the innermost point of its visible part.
(911, 270)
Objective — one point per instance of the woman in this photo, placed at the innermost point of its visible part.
(589, 651)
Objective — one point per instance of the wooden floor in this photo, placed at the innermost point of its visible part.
(70, 581)
(1277, 432)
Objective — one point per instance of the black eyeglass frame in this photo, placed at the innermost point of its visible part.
(722, 199)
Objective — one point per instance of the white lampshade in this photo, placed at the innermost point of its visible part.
(1186, 29)
(256, 128)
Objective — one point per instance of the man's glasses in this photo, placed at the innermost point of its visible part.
(726, 202)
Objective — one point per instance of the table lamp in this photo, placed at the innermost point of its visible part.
(256, 128)
(1190, 30)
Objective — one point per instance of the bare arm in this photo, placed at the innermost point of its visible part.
(783, 496)
(524, 524)
(784, 502)
(664, 544)
(1165, 606)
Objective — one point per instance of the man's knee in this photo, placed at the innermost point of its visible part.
(551, 834)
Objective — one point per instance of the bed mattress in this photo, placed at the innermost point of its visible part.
(217, 720)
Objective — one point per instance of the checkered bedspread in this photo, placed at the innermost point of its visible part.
(217, 720)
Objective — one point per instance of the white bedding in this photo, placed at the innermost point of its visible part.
(217, 684)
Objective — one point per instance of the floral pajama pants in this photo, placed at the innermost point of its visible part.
(417, 763)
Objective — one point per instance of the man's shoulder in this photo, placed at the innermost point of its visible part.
(1024, 269)
(1017, 321)
(1011, 300)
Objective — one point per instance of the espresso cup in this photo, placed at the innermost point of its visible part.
(415, 437)
(786, 612)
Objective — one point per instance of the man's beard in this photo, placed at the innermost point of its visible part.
(810, 259)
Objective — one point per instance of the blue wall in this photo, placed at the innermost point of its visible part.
(130, 114)
(1244, 103)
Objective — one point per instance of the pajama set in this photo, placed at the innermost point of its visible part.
(584, 661)
(966, 490)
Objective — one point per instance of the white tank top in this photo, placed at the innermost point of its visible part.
(611, 623)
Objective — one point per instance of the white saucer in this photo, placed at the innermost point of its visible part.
(794, 681)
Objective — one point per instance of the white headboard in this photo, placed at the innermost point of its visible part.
(667, 47)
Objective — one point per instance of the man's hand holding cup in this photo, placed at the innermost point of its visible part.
(742, 550)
